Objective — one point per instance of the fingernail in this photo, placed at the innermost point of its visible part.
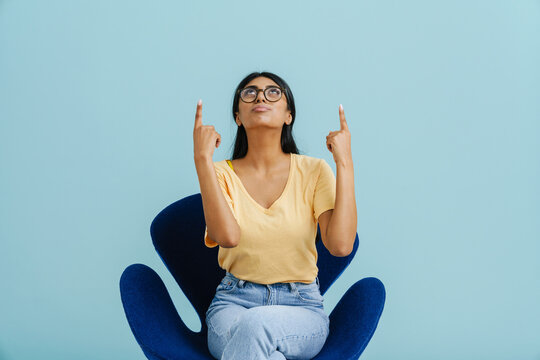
(200, 102)
(341, 106)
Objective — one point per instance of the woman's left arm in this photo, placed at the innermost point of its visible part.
(341, 228)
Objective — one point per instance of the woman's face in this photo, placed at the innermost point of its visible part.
(275, 115)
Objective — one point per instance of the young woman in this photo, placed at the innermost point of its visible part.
(262, 208)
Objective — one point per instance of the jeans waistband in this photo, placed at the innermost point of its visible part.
(292, 285)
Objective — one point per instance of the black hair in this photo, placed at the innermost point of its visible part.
(287, 141)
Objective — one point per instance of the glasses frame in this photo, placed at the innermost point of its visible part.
(264, 93)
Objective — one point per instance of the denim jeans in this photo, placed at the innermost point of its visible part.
(248, 320)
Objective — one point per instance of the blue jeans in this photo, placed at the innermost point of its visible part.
(248, 320)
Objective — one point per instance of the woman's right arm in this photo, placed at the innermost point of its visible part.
(221, 224)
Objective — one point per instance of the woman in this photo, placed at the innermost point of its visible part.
(262, 209)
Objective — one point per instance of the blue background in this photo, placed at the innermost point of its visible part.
(97, 105)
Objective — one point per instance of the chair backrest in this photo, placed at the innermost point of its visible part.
(177, 234)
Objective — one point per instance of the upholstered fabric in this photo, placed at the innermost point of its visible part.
(177, 233)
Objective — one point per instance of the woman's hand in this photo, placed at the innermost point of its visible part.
(205, 137)
(339, 142)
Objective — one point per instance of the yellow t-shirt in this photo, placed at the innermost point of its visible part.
(277, 244)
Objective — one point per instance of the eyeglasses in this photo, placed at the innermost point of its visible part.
(271, 93)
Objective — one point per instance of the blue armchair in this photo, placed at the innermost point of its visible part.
(177, 234)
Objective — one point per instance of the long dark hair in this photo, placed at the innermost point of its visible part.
(287, 141)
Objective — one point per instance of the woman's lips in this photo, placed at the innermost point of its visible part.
(259, 108)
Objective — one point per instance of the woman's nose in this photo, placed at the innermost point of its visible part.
(260, 96)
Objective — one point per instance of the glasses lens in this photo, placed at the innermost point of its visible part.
(273, 93)
(248, 94)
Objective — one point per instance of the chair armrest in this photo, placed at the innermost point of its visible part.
(354, 320)
(153, 318)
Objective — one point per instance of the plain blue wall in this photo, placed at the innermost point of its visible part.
(97, 105)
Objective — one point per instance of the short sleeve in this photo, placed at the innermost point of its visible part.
(225, 190)
(324, 197)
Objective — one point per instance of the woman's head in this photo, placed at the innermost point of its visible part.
(279, 114)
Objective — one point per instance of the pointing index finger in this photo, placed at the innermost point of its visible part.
(198, 114)
(342, 121)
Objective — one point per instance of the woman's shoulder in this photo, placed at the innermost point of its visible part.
(308, 164)
(221, 163)
(308, 161)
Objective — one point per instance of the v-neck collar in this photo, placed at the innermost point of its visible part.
(289, 180)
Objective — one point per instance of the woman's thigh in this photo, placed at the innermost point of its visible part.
(219, 325)
(297, 332)
(229, 302)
